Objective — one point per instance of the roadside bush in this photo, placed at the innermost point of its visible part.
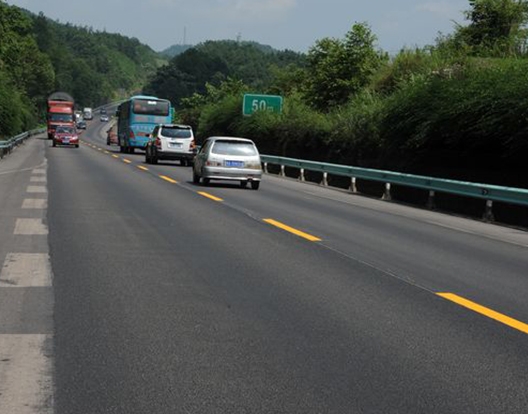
(475, 120)
(299, 132)
(220, 118)
(16, 113)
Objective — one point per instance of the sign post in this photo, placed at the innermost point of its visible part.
(256, 103)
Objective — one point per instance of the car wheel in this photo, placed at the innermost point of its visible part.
(205, 181)
(76, 145)
(154, 158)
(196, 178)
(255, 185)
(183, 162)
(243, 183)
(121, 149)
(131, 150)
(54, 143)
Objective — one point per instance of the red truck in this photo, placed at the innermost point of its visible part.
(60, 112)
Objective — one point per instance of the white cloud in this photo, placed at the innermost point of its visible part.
(439, 8)
(251, 9)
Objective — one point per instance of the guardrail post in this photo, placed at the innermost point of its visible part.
(353, 187)
(265, 168)
(282, 172)
(325, 179)
(387, 194)
(431, 200)
(488, 213)
(301, 175)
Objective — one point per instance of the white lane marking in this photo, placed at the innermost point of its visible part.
(30, 227)
(36, 189)
(36, 203)
(26, 385)
(39, 171)
(26, 270)
(38, 179)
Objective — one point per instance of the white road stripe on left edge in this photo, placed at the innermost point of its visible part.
(36, 189)
(26, 270)
(30, 227)
(35, 203)
(25, 367)
(38, 179)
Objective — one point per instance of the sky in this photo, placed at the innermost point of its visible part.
(282, 24)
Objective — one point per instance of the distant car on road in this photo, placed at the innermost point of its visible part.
(81, 124)
(104, 118)
(171, 142)
(66, 135)
(230, 159)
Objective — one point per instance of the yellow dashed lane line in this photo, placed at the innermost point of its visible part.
(292, 230)
(168, 179)
(475, 307)
(209, 196)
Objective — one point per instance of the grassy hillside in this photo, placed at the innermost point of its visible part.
(39, 56)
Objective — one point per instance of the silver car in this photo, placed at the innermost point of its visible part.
(171, 142)
(230, 159)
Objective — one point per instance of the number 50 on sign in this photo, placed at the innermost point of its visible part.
(255, 103)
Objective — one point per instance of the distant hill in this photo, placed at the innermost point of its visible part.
(174, 50)
(214, 61)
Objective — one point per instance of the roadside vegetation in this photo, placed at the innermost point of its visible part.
(39, 56)
(455, 109)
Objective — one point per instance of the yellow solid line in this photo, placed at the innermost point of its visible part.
(142, 168)
(127, 161)
(210, 196)
(292, 230)
(506, 320)
(115, 156)
(170, 180)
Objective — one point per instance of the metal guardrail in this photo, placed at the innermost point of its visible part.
(7, 146)
(490, 193)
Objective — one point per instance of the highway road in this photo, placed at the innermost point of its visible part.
(133, 290)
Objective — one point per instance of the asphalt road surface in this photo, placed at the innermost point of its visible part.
(161, 296)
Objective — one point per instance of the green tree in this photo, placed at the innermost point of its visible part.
(338, 69)
(496, 26)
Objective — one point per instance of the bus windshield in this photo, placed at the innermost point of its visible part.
(150, 107)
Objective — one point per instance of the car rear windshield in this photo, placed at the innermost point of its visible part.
(173, 132)
(65, 130)
(234, 148)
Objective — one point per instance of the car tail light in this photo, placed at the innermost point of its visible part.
(193, 145)
(131, 134)
(213, 164)
(158, 143)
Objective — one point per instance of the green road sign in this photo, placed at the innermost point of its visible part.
(255, 103)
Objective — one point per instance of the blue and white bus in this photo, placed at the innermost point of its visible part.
(137, 117)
